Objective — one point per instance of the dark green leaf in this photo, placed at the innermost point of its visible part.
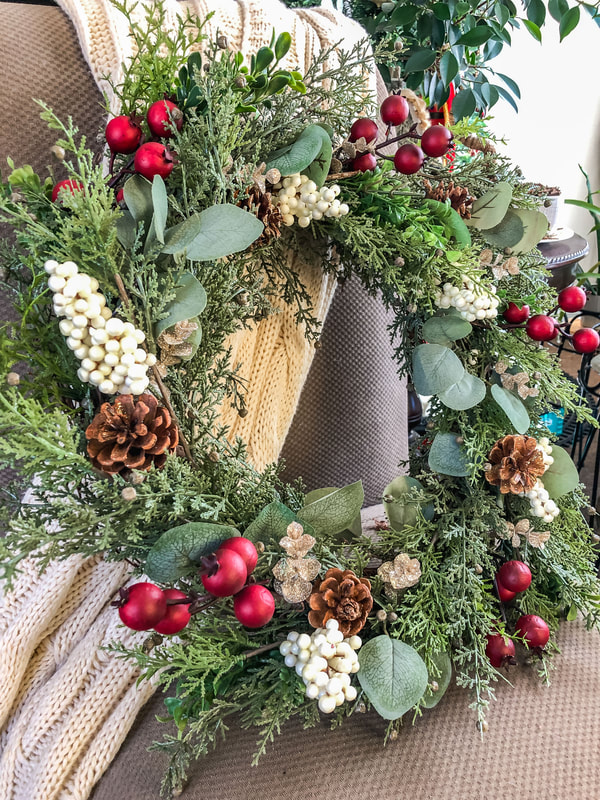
(403, 15)
(507, 96)
(492, 49)
(264, 56)
(512, 85)
(282, 45)
(420, 60)
(561, 476)
(464, 104)
(536, 12)
(160, 204)
(277, 83)
(533, 29)
(476, 36)
(317, 494)
(414, 80)
(126, 230)
(319, 168)
(335, 512)
(448, 67)
(272, 522)
(490, 94)
(558, 8)
(502, 13)
(447, 456)
(441, 10)
(512, 407)
(506, 233)
(435, 368)
(403, 510)
(569, 22)
(178, 551)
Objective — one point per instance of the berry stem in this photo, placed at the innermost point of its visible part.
(502, 611)
(116, 178)
(410, 134)
(264, 649)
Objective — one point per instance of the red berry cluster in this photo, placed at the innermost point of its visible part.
(409, 158)
(145, 606)
(543, 328)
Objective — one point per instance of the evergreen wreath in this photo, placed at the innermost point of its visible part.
(261, 601)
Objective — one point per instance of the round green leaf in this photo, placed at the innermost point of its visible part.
(446, 329)
(561, 476)
(442, 675)
(490, 209)
(507, 233)
(404, 511)
(334, 512)
(393, 676)
(468, 392)
(189, 301)
(435, 368)
(178, 551)
(137, 193)
(512, 407)
(448, 457)
(535, 226)
(218, 231)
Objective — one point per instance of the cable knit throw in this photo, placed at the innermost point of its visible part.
(66, 704)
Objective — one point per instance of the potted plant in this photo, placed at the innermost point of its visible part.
(549, 198)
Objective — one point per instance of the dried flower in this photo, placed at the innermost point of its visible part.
(400, 573)
(523, 528)
(295, 573)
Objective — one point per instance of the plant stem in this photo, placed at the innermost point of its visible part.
(264, 649)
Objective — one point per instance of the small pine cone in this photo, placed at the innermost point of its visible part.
(477, 143)
(131, 433)
(515, 464)
(341, 595)
(460, 199)
(259, 203)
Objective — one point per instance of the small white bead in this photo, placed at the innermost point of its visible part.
(350, 693)
(355, 642)
(335, 636)
(304, 641)
(65, 326)
(122, 370)
(80, 321)
(304, 655)
(97, 352)
(81, 352)
(292, 636)
(56, 283)
(83, 375)
(50, 266)
(340, 664)
(344, 650)
(139, 387)
(304, 222)
(344, 209)
(288, 220)
(128, 344)
(316, 215)
(93, 310)
(99, 323)
(312, 691)
(327, 704)
(72, 343)
(94, 284)
(117, 379)
(81, 306)
(309, 673)
(319, 663)
(334, 686)
(299, 668)
(290, 660)
(140, 356)
(59, 299)
(96, 377)
(339, 698)
(284, 648)
(137, 371)
(326, 650)
(332, 624)
(104, 368)
(107, 387)
(355, 666)
(112, 359)
(151, 359)
(112, 346)
(321, 679)
(106, 313)
(128, 359)
(114, 326)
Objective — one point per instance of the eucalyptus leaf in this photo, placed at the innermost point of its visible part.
(535, 226)
(272, 523)
(435, 368)
(189, 302)
(403, 510)
(126, 230)
(335, 512)
(218, 231)
(178, 551)
(318, 169)
(467, 393)
(160, 204)
(392, 675)
(446, 329)
(507, 233)
(297, 156)
(137, 194)
(447, 456)
(561, 476)
(513, 408)
(355, 528)
(442, 676)
(490, 209)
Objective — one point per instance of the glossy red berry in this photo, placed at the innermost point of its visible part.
(365, 162)
(436, 141)
(66, 186)
(540, 328)
(144, 607)
(161, 117)
(499, 649)
(409, 159)
(229, 577)
(123, 135)
(363, 128)
(254, 606)
(120, 196)
(177, 616)
(504, 595)
(514, 576)
(585, 340)
(533, 629)
(394, 110)
(153, 158)
(515, 315)
(572, 299)
(244, 548)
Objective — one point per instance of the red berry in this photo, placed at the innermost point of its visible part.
(516, 315)
(364, 128)
(540, 328)
(409, 159)
(514, 576)
(120, 196)
(585, 340)
(504, 595)
(572, 299)
(177, 616)
(244, 548)
(230, 576)
(68, 185)
(499, 649)
(145, 606)
(365, 162)
(394, 110)
(161, 116)
(153, 158)
(436, 141)
(254, 606)
(123, 135)
(533, 629)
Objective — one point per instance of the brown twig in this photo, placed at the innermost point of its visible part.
(264, 649)
(159, 382)
(338, 176)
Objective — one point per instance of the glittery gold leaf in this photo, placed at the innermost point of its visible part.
(294, 576)
(400, 573)
(517, 382)
(297, 543)
(509, 267)
(523, 529)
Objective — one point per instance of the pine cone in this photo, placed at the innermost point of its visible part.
(132, 433)
(477, 143)
(459, 196)
(341, 596)
(259, 204)
(515, 464)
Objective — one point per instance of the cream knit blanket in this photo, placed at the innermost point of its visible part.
(66, 705)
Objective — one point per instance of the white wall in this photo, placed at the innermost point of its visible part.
(558, 124)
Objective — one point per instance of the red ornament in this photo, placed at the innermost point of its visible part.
(254, 606)
(436, 141)
(153, 158)
(123, 134)
(365, 163)
(533, 629)
(364, 128)
(585, 340)
(514, 576)
(540, 328)
(230, 575)
(394, 110)
(500, 650)
(515, 315)
(409, 159)
(177, 616)
(244, 548)
(161, 117)
(68, 185)
(144, 606)
(572, 299)
(504, 595)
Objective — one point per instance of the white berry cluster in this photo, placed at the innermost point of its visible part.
(545, 448)
(109, 349)
(298, 197)
(539, 498)
(324, 661)
(472, 302)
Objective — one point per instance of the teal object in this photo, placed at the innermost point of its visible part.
(554, 421)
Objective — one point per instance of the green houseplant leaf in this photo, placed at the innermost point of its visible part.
(218, 231)
(512, 407)
(561, 476)
(335, 512)
(445, 329)
(393, 676)
(178, 551)
(490, 209)
(469, 391)
(403, 510)
(435, 368)
(447, 456)
(442, 676)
